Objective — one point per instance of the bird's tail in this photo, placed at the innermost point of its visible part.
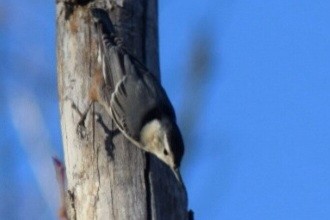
(111, 53)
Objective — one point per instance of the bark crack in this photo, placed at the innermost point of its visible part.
(72, 203)
(112, 183)
(112, 204)
(96, 152)
(99, 181)
(144, 32)
(148, 187)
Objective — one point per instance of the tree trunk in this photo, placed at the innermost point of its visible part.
(107, 177)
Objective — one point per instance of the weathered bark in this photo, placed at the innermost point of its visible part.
(107, 177)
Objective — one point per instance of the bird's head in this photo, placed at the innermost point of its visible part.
(162, 138)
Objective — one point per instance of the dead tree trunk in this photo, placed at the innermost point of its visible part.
(108, 180)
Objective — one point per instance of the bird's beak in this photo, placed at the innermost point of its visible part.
(177, 175)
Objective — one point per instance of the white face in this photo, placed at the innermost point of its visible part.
(167, 157)
(164, 151)
(154, 140)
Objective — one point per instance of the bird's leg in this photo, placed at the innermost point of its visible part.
(111, 133)
(84, 114)
(81, 129)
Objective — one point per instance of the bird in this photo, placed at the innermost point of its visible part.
(138, 103)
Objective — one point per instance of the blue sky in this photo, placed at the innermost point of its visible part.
(260, 146)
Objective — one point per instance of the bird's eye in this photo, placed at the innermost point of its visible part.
(165, 152)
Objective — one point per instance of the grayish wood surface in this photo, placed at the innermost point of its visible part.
(104, 180)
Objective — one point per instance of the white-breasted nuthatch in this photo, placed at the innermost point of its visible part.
(138, 105)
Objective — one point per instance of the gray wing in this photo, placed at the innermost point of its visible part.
(138, 98)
